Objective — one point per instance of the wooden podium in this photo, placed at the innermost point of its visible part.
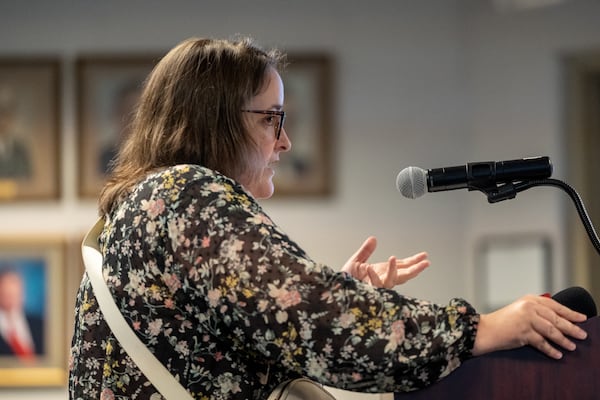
(524, 373)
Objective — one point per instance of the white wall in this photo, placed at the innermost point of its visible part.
(516, 89)
(429, 83)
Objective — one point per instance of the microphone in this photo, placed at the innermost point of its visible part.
(577, 299)
(413, 182)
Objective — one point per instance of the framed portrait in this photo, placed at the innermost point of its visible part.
(510, 266)
(307, 169)
(33, 329)
(108, 88)
(29, 129)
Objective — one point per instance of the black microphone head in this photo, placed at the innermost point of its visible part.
(577, 299)
(412, 182)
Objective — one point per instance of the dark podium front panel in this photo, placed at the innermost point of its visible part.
(524, 373)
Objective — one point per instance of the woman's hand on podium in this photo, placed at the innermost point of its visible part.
(532, 320)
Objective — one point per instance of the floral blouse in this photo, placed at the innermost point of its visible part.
(232, 306)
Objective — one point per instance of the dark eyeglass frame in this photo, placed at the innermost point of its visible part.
(280, 114)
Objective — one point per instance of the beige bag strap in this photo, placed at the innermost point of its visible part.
(154, 370)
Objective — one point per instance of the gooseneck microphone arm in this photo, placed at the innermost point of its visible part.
(510, 190)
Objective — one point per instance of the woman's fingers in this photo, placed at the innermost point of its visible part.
(545, 337)
(390, 279)
(355, 265)
(365, 250)
(405, 274)
(374, 277)
(542, 345)
(552, 329)
(385, 276)
(414, 259)
(562, 310)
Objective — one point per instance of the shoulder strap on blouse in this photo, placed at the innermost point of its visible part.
(154, 370)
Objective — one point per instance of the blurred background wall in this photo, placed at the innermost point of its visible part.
(426, 83)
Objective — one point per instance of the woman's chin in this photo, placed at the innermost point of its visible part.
(264, 190)
(267, 193)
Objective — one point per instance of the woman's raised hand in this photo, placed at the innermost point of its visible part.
(384, 274)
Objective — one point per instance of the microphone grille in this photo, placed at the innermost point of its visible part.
(412, 182)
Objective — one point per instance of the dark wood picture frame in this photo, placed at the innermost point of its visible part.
(307, 170)
(30, 119)
(107, 89)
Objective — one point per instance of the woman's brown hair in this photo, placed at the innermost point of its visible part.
(190, 113)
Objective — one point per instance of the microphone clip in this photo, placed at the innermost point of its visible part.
(506, 191)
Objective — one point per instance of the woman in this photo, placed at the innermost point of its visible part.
(221, 295)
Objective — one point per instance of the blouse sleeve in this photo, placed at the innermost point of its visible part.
(257, 289)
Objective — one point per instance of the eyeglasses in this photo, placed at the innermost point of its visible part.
(280, 114)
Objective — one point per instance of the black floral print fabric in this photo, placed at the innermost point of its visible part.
(232, 306)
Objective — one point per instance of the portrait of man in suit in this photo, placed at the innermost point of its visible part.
(21, 331)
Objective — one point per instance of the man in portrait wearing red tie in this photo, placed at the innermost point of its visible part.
(21, 335)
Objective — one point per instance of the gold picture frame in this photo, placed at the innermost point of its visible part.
(29, 129)
(108, 87)
(307, 170)
(37, 268)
